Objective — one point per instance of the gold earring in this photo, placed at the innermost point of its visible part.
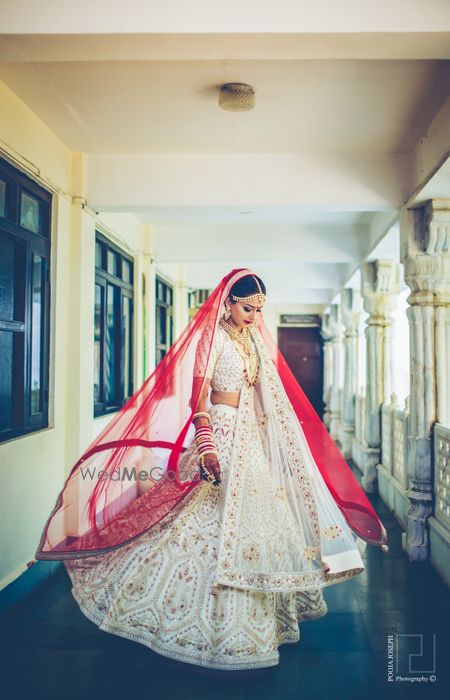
(227, 313)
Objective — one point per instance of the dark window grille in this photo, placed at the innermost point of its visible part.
(25, 211)
(164, 318)
(113, 327)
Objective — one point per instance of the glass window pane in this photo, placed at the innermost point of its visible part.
(170, 338)
(98, 316)
(2, 198)
(6, 382)
(36, 335)
(111, 345)
(127, 347)
(111, 264)
(29, 212)
(12, 279)
(7, 255)
(126, 270)
(98, 254)
(161, 325)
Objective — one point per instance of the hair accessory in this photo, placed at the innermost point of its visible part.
(259, 296)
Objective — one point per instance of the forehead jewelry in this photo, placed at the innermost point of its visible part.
(259, 297)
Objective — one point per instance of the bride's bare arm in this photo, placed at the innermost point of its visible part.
(211, 461)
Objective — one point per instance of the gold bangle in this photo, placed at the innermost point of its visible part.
(201, 413)
(202, 456)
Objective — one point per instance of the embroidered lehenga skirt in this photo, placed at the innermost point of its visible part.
(173, 589)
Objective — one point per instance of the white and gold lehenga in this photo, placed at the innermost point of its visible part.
(224, 579)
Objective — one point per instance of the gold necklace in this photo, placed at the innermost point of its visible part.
(242, 342)
(242, 337)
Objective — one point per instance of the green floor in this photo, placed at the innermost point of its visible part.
(52, 651)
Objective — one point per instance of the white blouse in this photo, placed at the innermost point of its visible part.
(226, 365)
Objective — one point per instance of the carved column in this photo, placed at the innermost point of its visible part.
(336, 329)
(350, 310)
(425, 250)
(380, 287)
(327, 368)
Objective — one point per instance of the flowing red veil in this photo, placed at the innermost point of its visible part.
(128, 478)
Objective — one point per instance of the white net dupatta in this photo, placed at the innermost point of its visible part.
(281, 528)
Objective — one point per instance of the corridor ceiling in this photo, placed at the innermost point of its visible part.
(352, 119)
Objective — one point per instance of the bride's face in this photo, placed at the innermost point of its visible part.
(243, 314)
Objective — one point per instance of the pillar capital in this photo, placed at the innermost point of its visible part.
(425, 252)
(325, 330)
(335, 322)
(380, 287)
(351, 310)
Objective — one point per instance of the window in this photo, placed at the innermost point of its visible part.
(195, 300)
(113, 327)
(164, 318)
(24, 303)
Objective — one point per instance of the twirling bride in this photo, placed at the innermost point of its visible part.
(210, 513)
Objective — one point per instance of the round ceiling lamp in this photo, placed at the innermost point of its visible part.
(236, 97)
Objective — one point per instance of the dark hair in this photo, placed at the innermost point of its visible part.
(246, 286)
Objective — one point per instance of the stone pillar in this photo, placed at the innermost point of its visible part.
(380, 287)
(425, 251)
(180, 301)
(150, 307)
(139, 319)
(351, 312)
(80, 330)
(327, 368)
(336, 329)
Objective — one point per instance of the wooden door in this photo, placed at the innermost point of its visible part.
(302, 349)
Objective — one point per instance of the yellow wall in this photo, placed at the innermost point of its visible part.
(33, 468)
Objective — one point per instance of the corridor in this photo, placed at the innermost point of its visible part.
(146, 154)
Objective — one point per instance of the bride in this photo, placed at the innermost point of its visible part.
(208, 516)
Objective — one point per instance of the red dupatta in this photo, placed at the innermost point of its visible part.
(104, 504)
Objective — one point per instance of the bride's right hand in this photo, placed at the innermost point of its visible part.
(212, 466)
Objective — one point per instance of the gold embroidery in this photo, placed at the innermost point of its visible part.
(252, 553)
(311, 553)
(280, 493)
(332, 532)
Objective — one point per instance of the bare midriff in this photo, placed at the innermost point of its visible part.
(230, 398)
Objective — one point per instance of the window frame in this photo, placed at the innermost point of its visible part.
(169, 307)
(32, 243)
(123, 289)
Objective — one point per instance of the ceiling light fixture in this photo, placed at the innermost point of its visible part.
(236, 97)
